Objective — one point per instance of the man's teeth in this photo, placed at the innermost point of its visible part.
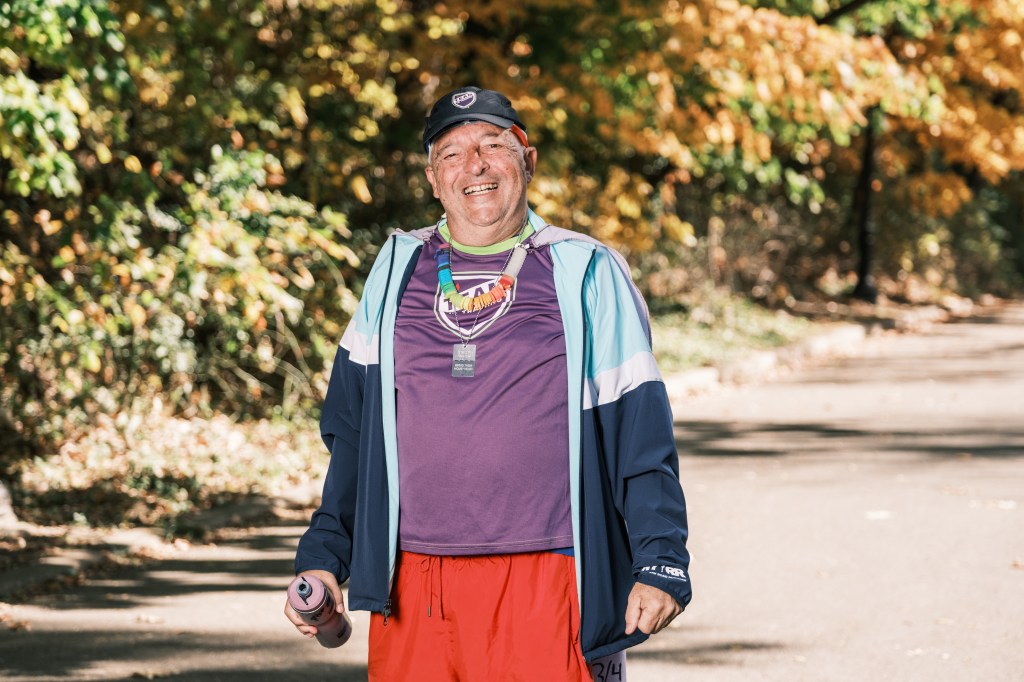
(477, 189)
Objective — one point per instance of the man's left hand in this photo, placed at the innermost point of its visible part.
(649, 609)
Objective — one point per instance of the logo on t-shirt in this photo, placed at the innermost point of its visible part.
(471, 325)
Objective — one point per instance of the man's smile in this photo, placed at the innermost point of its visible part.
(480, 189)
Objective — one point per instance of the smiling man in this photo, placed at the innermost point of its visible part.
(503, 490)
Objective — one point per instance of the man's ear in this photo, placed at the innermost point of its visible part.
(431, 179)
(530, 162)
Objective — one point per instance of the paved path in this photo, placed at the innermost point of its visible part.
(860, 520)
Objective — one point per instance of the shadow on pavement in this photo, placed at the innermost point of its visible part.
(746, 439)
(908, 369)
(723, 653)
(1011, 315)
(69, 646)
(261, 563)
(146, 655)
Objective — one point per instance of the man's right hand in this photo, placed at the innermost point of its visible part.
(332, 586)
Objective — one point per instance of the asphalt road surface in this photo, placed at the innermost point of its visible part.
(856, 520)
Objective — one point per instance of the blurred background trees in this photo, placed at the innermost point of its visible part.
(191, 191)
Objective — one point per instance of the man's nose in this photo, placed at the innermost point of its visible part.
(476, 161)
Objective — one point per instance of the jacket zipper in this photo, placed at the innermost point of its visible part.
(581, 565)
(406, 276)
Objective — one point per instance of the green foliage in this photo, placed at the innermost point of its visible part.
(38, 129)
(266, 286)
(50, 50)
(233, 302)
(71, 36)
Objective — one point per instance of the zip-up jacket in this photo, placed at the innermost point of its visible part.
(627, 507)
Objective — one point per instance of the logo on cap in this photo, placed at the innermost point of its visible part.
(464, 100)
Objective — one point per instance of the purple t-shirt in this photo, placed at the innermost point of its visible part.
(483, 461)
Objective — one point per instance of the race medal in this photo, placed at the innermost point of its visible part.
(463, 360)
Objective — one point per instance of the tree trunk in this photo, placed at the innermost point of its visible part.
(865, 288)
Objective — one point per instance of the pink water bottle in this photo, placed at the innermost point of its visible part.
(313, 602)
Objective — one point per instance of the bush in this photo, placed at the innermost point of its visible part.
(232, 303)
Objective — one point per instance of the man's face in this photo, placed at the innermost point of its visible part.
(480, 173)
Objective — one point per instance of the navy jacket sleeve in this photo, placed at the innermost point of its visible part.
(636, 430)
(327, 543)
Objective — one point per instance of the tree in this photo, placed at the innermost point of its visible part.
(192, 191)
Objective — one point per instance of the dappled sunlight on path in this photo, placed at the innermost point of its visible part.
(211, 612)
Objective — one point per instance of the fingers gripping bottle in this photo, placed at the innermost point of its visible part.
(313, 602)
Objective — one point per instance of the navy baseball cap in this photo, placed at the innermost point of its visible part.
(471, 104)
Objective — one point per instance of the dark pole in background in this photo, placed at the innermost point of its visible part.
(865, 289)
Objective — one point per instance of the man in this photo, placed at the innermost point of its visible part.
(503, 487)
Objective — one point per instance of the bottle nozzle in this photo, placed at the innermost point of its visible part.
(304, 590)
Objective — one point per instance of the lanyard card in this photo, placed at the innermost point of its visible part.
(464, 360)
